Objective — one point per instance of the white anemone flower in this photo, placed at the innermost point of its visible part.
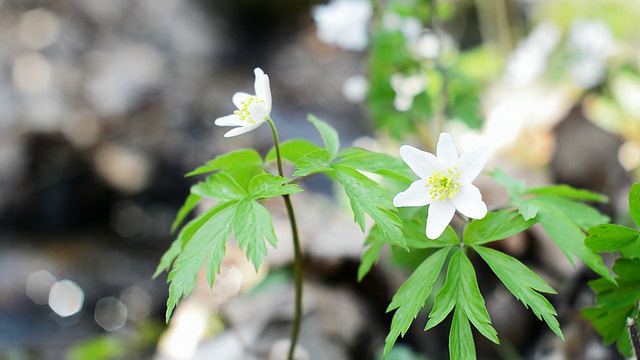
(445, 183)
(253, 110)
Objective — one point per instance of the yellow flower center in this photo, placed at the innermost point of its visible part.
(444, 184)
(244, 113)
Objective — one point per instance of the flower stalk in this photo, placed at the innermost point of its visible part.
(297, 256)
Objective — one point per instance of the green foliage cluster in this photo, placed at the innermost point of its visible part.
(617, 298)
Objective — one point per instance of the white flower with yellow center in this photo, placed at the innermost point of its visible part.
(253, 110)
(445, 183)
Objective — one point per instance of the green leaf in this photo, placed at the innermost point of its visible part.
(461, 344)
(375, 242)
(524, 284)
(329, 135)
(317, 161)
(611, 325)
(293, 150)
(495, 226)
(267, 185)
(189, 204)
(416, 237)
(461, 290)
(366, 196)
(610, 237)
(378, 163)
(528, 211)
(412, 295)
(567, 192)
(206, 245)
(253, 225)
(628, 269)
(561, 223)
(514, 187)
(634, 203)
(184, 237)
(241, 165)
(219, 186)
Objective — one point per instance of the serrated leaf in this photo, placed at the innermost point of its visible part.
(317, 161)
(627, 291)
(567, 191)
(329, 135)
(495, 226)
(366, 196)
(461, 344)
(514, 187)
(184, 236)
(610, 237)
(189, 204)
(219, 186)
(524, 284)
(634, 203)
(293, 150)
(412, 295)
(375, 242)
(566, 232)
(583, 215)
(206, 245)
(461, 291)
(628, 269)
(253, 225)
(267, 186)
(378, 163)
(241, 165)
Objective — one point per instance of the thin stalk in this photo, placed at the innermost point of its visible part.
(632, 327)
(297, 250)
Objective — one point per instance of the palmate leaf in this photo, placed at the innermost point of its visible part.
(189, 204)
(366, 196)
(219, 186)
(207, 244)
(315, 162)
(461, 291)
(523, 283)
(412, 295)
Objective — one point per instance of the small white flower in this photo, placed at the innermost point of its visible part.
(344, 23)
(445, 183)
(253, 110)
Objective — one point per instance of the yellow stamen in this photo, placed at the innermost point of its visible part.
(444, 184)
(244, 113)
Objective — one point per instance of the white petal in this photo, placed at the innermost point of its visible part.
(238, 98)
(261, 85)
(472, 162)
(258, 112)
(468, 201)
(416, 195)
(421, 162)
(241, 130)
(229, 120)
(440, 215)
(446, 150)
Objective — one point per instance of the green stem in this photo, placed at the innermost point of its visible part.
(297, 258)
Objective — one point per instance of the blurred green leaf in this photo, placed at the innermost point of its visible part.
(293, 151)
(329, 136)
(189, 204)
(241, 165)
(378, 163)
(98, 348)
(317, 161)
(634, 203)
(374, 244)
(566, 191)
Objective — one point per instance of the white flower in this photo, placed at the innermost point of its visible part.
(445, 183)
(344, 23)
(406, 88)
(253, 110)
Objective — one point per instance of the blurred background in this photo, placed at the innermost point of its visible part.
(104, 106)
